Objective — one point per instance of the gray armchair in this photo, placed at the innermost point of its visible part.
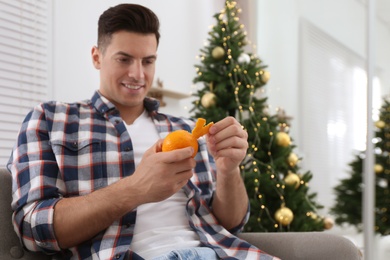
(287, 246)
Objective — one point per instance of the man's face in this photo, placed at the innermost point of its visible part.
(127, 68)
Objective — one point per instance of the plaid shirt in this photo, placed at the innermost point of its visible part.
(66, 150)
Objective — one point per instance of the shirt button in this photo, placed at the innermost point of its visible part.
(128, 225)
(117, 121)
(74, 144)
(127, 149)
(118, 256)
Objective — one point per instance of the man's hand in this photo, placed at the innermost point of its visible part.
(227, 143)
(161, 174)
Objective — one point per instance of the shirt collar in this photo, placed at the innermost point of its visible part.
(103, 105)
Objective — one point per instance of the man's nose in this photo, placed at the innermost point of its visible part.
(136, 71)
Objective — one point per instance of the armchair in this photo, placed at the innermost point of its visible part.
(289, 246)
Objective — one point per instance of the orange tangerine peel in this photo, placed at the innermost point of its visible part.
(181, 138)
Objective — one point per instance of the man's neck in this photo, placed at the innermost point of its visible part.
(130, 114)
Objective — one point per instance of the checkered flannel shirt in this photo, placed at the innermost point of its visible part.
(66, 150)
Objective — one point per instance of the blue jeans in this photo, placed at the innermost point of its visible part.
(194, 253)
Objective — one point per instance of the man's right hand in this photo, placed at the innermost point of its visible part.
(161, 174)
(158, 176)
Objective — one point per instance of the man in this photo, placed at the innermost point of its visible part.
(91, 182)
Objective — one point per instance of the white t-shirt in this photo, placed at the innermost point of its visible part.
(161, 226)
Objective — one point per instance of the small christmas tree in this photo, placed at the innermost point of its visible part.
(348, 207)
(232, 81)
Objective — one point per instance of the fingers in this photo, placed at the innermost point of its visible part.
(177, 155)
(227, 140)
(171, 156)
(157, 147)
(233, 142)
(182, 166)
(227, 133)
(224, 123)
(179, 160)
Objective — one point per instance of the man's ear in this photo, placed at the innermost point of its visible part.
(96, 55)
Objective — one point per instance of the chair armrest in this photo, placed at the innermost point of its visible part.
(304, 245)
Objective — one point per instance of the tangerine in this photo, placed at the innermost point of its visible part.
(181, 138)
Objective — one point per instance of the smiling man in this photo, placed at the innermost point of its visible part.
(127, 64)
(91, 182)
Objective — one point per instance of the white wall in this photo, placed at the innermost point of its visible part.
(278, 46)
(278, 38)
(184, 28)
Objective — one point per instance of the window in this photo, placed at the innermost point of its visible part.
(24, 64)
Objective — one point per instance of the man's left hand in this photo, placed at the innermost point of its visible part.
(227, 143)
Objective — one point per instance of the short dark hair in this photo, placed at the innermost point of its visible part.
(126, 17)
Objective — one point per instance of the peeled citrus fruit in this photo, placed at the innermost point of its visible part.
(182, 138)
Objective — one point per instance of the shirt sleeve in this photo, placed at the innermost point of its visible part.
(36, 184)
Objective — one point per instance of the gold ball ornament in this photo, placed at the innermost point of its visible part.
(378, 168)
(208, 100)
(265, 75)
(380, 124)
(292, 179)
(328, 223)
(283, 139)
(218, 53)
(292, 159)
(284, 216)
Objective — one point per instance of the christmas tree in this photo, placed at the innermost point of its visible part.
(231, 84)
(348, 207)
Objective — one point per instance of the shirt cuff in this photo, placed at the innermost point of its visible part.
(42, 226)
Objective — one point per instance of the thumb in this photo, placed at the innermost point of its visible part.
(158, 145)
(156, 148)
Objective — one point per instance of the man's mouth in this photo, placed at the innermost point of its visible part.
(135, 87)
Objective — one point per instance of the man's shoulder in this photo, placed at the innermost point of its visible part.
(55, 110)
(60, 106)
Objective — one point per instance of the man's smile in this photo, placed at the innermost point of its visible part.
(129, 86)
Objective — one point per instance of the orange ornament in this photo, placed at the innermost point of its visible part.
(181, 138)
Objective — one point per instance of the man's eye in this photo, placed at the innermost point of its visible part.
(151, 61)
(123, 60)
